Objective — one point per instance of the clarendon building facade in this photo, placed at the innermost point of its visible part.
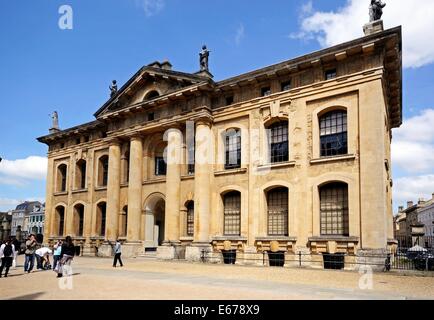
(292, 157)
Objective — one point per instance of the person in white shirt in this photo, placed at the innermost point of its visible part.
(43, 257)
(7, 252)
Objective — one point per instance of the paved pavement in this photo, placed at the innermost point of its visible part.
(94, 278)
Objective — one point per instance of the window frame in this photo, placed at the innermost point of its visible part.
(330, 213)
(278, 150)
(274, 228)
(233, 147)
(232, 214)
(333, 130)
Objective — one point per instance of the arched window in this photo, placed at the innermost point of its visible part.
(233, 149)
(103, 171)
(79, 219)
(80, 174)
(190, 219)
(277, 208)
(278, 140)
(60, 217)
(334, 209)
(232, 213)
(152, 95)
(124, 222)
(101, 218)
(62, 172)
(333, 133)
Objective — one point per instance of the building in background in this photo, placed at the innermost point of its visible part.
(20, 218)
(415, 214)
(36, 220)
(426, 217)
(5, 225)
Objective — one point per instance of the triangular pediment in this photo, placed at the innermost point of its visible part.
(149, 83)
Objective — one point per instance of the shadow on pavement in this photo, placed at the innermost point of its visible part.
(32, 296)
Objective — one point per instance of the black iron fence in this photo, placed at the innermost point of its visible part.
(300, 259)
(416, 257)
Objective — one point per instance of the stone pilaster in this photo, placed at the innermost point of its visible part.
(135, 189)
(113, 188)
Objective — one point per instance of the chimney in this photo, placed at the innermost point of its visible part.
(409, 204)
(421, 201)
(166, 65)
(433, 196)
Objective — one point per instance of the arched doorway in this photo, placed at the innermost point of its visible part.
(155, 208)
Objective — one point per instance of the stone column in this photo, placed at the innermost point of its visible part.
(135, 189)
(133, 245)
(173, 186)
(49, 211)
(113, 188)
(202, 190)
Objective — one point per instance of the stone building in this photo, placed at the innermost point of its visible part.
(20, 217)
(291, 157)
(5, 225)
(36, 220)
(426, 217)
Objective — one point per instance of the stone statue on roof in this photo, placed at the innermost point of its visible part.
(204, 56)
(55, 118)
(113, 88)
(376, 10)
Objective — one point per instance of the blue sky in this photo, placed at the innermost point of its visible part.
(45, 68)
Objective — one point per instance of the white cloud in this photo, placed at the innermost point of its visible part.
(413, 144)
(412, 189)
(239, 35)
(151, 7)
(344, 24)
(413, 153)
(18, 172)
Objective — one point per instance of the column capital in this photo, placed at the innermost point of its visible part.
(115, 142)
(136, 137)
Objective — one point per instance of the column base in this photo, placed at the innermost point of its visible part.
(132, 249)
(89, 250)
(375, 259)
(170, 251)
(194, 252)
(105, 250)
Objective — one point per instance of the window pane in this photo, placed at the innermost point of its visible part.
(277, 202)
(334, 209)
(279, 142)
(233, 149)
(190, 219)
(232, 214)
(333, 134)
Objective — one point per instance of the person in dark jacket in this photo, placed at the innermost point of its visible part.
(66, 256)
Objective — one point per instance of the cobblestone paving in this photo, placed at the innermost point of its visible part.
(94, 278)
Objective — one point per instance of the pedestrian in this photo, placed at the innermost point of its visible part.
(30, 253)
(43, 258)
(17, 246)
(56, 254)
(66, 256)
(7, 252)
(118, 252)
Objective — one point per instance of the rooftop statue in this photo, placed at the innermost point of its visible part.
(113, 88)
(204, 56)
(376, 10)
(55, 118)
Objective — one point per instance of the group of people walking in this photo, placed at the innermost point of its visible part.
(63, 253)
